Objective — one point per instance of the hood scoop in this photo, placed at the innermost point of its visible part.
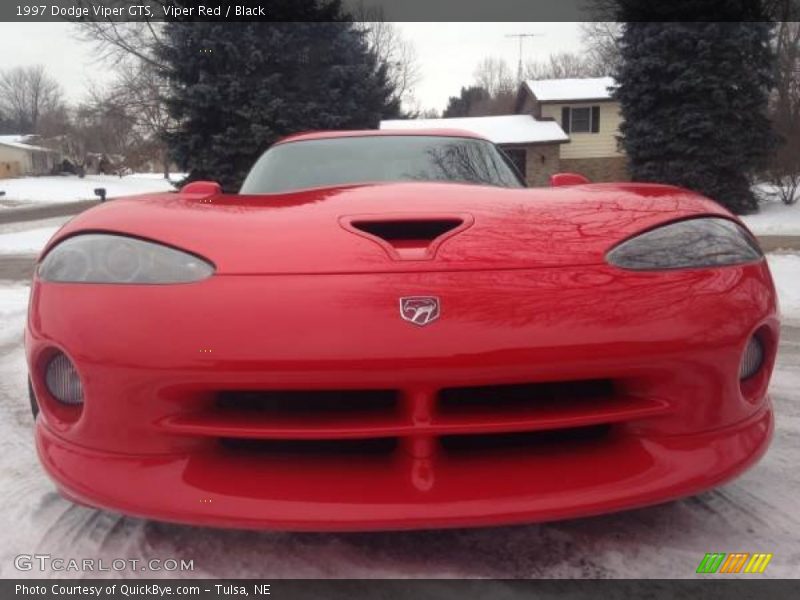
(406, 237)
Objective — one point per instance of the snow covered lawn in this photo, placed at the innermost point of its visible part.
(70, 188)
(30, 241)
(13, 305)
(785, 270)
(774, 217)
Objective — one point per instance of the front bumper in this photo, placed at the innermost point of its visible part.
(152, 359)
(213, 489)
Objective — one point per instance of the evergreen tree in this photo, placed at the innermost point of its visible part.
(694, 95)
(234, 88)
(462, 105)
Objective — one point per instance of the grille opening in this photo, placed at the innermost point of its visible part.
(416, 230)
(317, 402)
(324, 448)
(509, 397)
(524, 440)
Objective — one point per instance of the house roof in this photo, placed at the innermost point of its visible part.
(505, 129)
(14, 139)
(562, 90)
(18, 141)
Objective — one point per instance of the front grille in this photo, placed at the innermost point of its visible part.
(380, 422)
(523, 441)
(327, 448)
(308, 401)
(523, 396)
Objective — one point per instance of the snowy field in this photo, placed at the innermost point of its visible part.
(71, 188)
(28, 237)
(26, 242)
(785, 270)
(757, 512)
(774, 217)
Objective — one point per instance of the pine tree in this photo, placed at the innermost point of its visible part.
(461, 105)
(694, 96)
(234, 88)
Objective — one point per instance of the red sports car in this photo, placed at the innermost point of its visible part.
(389, 330)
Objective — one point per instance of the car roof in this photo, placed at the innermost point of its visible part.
(332, 134)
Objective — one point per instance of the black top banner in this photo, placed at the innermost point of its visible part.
(273, 10)
(356, 10)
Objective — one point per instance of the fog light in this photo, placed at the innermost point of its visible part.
(752, 359)
(63, 381)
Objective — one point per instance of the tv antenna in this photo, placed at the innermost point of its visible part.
(521, 37)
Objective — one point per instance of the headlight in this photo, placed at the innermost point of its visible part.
(107, 258)
(700, 242)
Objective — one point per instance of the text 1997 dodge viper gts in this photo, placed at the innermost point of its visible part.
(388, 330)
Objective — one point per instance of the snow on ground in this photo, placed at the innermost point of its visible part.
(13, 304)
(774, 217)
(17, 226)
(758, 512)
(174, 177)
(785, 270)
(70, 188)
(26, 242)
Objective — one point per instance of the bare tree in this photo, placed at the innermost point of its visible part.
(53, 123)
(784, 170)
(786, 105)
(429, 113)
(99, 126)
(501, 103)
(492, 93)
(140, 87)
(392, 50)
(562, 65)
(601, 40)
(139, 92)
(26, 93)
(494, 75)
(119, 41)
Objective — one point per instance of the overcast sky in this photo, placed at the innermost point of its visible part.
(447, 52)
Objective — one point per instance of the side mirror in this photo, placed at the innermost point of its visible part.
(559, 179)
(207, 188)
(2, 193)
(100, 192)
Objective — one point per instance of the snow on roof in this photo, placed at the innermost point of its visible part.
(506, 129)
(559, 90)
(14, 139)
(19, 141)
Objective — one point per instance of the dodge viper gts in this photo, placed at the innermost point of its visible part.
(389, 330)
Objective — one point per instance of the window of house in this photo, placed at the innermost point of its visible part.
(580, 119)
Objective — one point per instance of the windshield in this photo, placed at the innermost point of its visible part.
(345, 160)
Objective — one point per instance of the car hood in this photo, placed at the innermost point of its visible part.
(431, 226)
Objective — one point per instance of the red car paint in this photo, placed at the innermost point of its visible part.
(304, 300)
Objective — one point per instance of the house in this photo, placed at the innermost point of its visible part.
(532, 144)
(19, 158)
(590, 117)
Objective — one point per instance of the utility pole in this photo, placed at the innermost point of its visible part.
(521, 37)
